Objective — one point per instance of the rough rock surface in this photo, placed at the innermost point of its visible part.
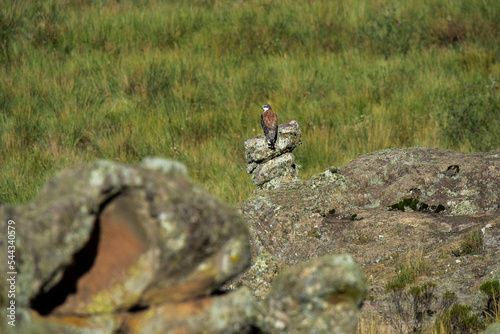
(348, 210)
(272, 167)
(110, 248)
(319, 296)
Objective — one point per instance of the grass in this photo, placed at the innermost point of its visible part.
(409, 269)
(85, 80)
(460, 319)
(418, 309)
(492, 290)
(472, 244)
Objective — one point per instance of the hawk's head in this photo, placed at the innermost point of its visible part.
(266, 107)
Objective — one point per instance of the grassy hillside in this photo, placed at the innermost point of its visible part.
(121, 80)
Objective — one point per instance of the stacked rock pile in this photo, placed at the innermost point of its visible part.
(272, 167)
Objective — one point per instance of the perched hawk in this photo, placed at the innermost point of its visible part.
(269, 122)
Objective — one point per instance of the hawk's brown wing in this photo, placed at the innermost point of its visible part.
(263, 124)
(269, 122)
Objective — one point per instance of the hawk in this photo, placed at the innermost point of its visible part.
(269, 122)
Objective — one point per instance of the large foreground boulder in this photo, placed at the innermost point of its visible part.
(105, 238)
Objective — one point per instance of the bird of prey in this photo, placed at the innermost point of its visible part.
(269, 122)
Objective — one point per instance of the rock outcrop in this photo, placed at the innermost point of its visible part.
(271, 167)
(111, 248)
(388, 209)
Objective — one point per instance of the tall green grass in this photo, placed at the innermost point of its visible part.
(121, 80)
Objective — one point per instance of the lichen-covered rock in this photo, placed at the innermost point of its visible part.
(274, 167)
(104, 238)
(257, 150)
(394, 174)
(171, 167)
(323, 295)
(281, 167)
(63, 215)
(259, 276)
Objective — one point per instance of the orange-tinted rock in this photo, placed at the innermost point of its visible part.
(125, 263)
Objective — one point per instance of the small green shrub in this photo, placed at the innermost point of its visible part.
(416, 205)
(394, 286)
(362, 238)
(397, 291)
(458, 319)
(406, 203)
(422, 300)
(492, 290)
(315, 234)
(408, 271)
(416, 306)
(448, 298)
(472, 243)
